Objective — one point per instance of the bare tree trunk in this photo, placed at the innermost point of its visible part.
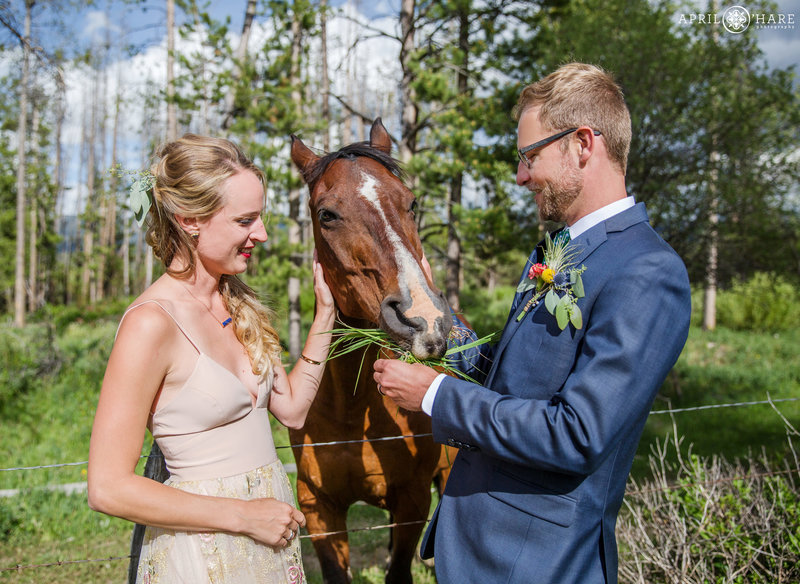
(410, 112)
(105, 206)
(295, 196)
(19, 266)
(710, 291)
(110, 235)
(453, 275)
(87, 290)
(59, 163)
(326, 83)
(239, 59)
(33, 231)
(172, 114)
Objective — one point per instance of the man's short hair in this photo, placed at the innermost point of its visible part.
(579, 94)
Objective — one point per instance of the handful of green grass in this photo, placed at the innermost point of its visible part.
(347, 339)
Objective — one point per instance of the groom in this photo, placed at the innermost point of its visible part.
(548, 439)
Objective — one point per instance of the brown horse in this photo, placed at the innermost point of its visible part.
(367, 241)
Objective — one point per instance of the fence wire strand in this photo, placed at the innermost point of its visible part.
(408, 436)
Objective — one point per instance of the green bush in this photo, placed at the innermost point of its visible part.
(63, 315)
(486, 311)
(704, 520)
(26, 355)
(765, 302)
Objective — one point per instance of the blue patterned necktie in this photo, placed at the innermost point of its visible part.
(562, 237)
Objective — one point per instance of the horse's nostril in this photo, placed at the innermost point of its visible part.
(393, 313)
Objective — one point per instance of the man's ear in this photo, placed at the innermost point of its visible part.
(586, 141)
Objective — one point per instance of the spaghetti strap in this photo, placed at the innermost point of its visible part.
(175, 320)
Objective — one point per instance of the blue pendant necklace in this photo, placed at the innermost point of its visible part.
(224, 323)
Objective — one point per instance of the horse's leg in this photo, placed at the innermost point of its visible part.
(409, 511)
(324, 516)
(155, 469)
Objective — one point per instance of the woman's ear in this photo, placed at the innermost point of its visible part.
(188, 224)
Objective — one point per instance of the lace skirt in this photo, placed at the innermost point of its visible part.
(172, 557)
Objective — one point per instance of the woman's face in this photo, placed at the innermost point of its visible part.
(226, 240)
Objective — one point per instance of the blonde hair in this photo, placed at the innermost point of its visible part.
(189, 176)
(578, 94)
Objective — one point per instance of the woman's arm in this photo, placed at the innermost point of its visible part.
(293, 394)
(140, 360)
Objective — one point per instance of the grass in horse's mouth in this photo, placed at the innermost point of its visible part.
(347, 339)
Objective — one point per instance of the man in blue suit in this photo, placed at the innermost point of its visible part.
(547, 440)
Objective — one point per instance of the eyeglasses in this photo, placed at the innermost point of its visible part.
(542, 143)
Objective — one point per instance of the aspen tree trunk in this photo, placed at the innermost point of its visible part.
(349, 118)
(104, 196)
(410, 111)
(326, 84)
(90, 223)
(453, 275)
(239, 58)
(710, 291)
(110, 232)
(172, 114)
(33, 231)
(58, 167)
(19, 264)
(295, 196)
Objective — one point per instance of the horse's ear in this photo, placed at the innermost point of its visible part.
(379, 138)
(302, 155)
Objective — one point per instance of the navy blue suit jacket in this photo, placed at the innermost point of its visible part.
(548, 440)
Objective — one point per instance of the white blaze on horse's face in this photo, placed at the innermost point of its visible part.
(418, 312)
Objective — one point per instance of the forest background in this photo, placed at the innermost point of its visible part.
(90, 87)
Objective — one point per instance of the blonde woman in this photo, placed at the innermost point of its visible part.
(196, 361)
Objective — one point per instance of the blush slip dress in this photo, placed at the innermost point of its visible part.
(217, 443)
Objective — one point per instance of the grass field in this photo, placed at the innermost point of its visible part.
(47, 419)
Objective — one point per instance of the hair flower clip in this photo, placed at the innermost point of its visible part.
(141, 195)
(558, 281)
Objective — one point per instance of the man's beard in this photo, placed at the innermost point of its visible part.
(557, 196)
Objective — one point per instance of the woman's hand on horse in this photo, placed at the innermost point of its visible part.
(321, 289)
(271, 521)
(405, 383)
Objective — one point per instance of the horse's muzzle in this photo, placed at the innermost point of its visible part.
(419, 327)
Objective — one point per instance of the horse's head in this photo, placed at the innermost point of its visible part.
(367, 240)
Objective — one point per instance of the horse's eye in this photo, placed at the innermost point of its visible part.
(413, 209)
(326, 216)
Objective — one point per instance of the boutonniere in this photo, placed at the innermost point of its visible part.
(558, 282)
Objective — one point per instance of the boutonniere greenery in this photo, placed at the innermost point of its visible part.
(558, 282)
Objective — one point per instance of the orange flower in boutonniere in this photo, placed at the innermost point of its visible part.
(558, 282)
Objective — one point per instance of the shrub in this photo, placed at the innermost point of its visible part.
(705, 520)
(26, 355)
(765, 302)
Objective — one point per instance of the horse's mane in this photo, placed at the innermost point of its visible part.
(314, 172)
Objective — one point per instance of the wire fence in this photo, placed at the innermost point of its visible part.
(771, 401)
